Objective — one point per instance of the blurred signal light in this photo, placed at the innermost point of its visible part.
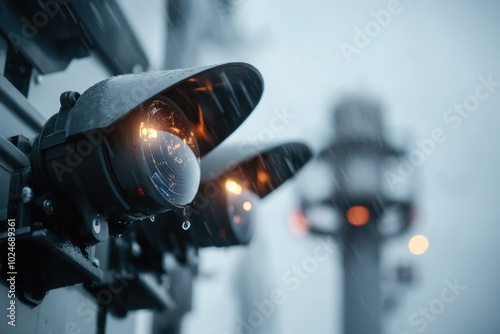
(358, 215)
(298, 223)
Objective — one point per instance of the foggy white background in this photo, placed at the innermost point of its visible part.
(426, 60)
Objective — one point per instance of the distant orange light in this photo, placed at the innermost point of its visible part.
(418, 244)
(358, 215)
(297, 223)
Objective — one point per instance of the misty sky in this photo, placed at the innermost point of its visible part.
(427, 59)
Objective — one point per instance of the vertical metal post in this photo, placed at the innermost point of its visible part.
(361, 257)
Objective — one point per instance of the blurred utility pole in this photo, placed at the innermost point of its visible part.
(360, 157)
(362, 300)
(358, 153)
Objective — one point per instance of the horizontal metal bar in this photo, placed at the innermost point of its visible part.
(19, 106)
(10, 157)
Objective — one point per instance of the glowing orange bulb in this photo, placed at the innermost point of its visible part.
(233, 187)
(147, 132)
(358, 215)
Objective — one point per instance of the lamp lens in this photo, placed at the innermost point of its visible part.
(240, 207)
(170, 152)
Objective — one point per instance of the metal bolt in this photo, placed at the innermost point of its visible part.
(38, 225)
(48, 207)
(96, 226)
(186, 225)
(27, 195)
(34, 297)
(136, 249)
(38, 79)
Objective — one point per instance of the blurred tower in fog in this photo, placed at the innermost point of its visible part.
(358, 148)
(362, 200)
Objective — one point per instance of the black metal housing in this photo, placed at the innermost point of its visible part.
(211, 223)
(73, 155)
